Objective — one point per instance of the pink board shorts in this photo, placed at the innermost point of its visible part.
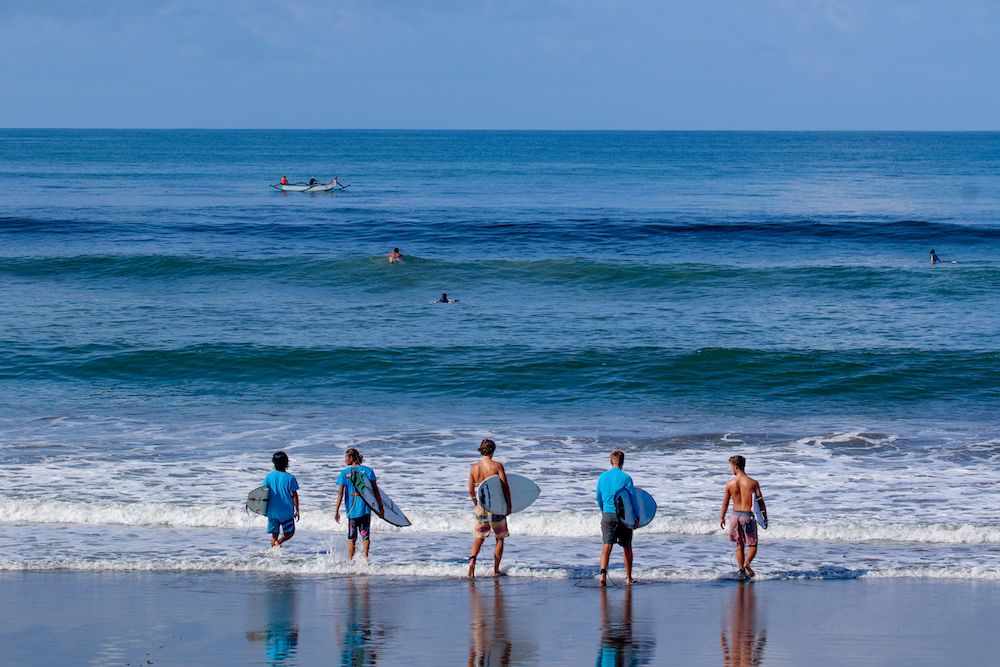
(486, 523)
(743, 528)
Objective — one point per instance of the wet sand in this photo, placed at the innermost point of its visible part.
(164, 618)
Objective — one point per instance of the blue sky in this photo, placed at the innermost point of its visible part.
(520, 64)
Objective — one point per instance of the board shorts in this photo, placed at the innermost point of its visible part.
(486, 523)
(743, 528)
(359, 526)
(287, 526)
(613, 531)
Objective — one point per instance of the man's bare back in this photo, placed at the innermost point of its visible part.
(483, 469)
(741, 489)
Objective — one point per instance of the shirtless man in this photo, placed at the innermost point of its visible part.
(395, 256)
(485, 522)
(743, 530)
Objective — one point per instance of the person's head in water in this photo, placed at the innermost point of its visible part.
(618, 458)
(738, 461)
(280, 461)
(353, 457)
(444, 298)
(395, 251)
(487, 447)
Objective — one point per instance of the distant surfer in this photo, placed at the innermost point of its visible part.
(444, 299)
(284, 180)
(613, 531)
(742, 489)
(282, 500)
(312, 182)
(486, 523)
(934, 258)
(359, 514)
(395, 256)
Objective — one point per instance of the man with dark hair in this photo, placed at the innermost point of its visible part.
(742, 489)
(282, 500)
(612, 530)
(483, 469)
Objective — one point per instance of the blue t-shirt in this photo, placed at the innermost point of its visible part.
(608, 484)
(355, 506)
(280, 486)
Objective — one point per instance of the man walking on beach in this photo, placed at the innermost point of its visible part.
(612, 530)
(483, 469)
(742, 489)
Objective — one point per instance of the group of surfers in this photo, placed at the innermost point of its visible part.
(283, 508)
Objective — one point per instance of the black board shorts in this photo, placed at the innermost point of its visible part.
(614, 531)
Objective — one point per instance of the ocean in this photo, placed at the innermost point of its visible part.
(168, 320)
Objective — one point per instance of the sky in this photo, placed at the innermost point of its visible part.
(518, 64)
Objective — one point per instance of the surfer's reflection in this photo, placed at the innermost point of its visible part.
(360, 637)
(621, 646)
(742, 641)
(490, 645)
(281, 638)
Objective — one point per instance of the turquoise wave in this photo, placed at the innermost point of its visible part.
(547, 374)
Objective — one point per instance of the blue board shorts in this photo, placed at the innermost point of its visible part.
(359, 526)
(287, 526)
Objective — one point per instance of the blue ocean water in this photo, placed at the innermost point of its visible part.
(167, 320)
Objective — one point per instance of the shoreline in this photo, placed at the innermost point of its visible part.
(167, 618)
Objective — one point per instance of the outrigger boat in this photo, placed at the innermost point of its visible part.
(335, 184)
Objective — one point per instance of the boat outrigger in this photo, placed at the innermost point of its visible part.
(335, 184)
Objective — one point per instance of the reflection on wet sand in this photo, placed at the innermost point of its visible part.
(742, 641)
(490, 644)
(621, 645)
(361, 639)
(281, 638)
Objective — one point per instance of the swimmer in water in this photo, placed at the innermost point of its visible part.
(934, 257)
(395, 256)
(444, 299)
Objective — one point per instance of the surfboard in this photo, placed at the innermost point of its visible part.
(257, 501)
(635, 511)
(523, 492)
(761, 521)
(392, 514)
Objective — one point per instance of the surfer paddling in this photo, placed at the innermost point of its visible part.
(486, 522)
(742, 489)
(395, 256)
(282, 501)
(359, 514)
(613, 530)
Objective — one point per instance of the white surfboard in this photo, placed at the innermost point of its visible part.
(761, 521)
(257, 501)
(635, 510)
(392, 514)
(523, 492)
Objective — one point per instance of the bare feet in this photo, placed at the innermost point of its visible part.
(498, 573)
(749, 573)
(603, 581)
(472, 567)
(629, 581)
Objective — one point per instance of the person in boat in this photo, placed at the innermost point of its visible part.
(395, 256)
(934, 258)
(284, 180)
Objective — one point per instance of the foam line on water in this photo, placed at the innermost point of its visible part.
(563, 524)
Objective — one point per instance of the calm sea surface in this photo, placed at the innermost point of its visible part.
(167, 320)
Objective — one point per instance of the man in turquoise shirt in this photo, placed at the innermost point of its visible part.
(612, 530)
(359, 515)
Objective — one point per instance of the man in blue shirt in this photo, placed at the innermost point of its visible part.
(359, 514)
(282, 500)
(612, 530)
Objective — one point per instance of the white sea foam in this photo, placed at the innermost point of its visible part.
(560, 524)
